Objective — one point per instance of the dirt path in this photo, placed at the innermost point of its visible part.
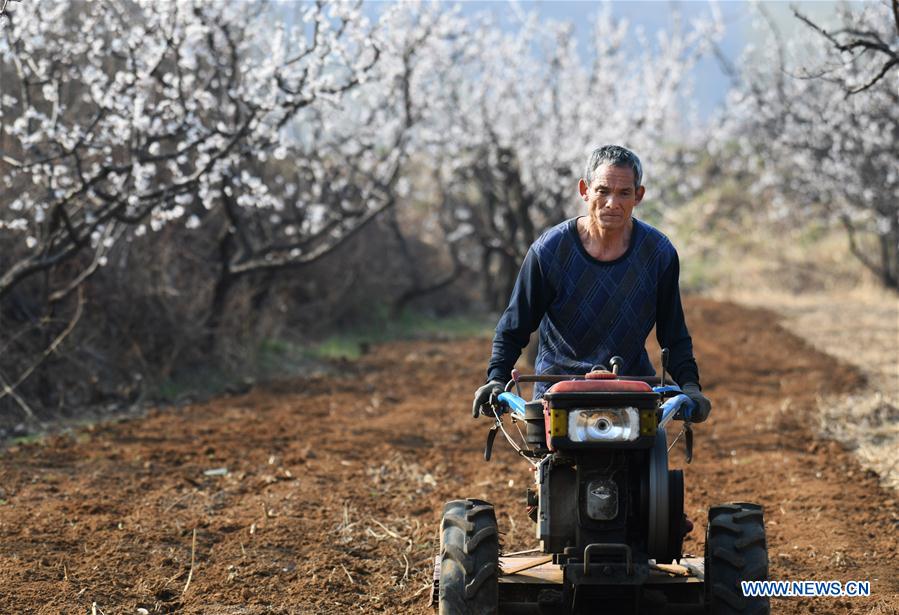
(334, 487)
(861, 326)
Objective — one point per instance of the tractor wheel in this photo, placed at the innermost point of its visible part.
(469, 559)
(735, 550)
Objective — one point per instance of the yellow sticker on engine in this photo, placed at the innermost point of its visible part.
(647, 422)
(558, 423)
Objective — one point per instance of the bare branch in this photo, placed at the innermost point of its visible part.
(849, 40)
(883, 71)
(112, 232)
(286, 262)
(6, 389)
(10, 389)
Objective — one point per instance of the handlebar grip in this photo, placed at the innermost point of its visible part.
(512, 401)
(679, 407)
(687, 409)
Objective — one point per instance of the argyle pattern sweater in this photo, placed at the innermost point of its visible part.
(588, 311)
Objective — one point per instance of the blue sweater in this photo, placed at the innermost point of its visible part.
(588, 311)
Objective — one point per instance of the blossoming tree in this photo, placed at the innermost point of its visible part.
(523, 108)
(122, 117)
(821, 134)
(271, 137)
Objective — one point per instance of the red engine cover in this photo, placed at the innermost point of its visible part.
(600, 386)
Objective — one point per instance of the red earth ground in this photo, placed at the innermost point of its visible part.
(334, 486)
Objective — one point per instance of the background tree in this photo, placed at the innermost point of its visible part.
(822, 138)
(868, 52)
(524, 108)
(208, 130)
(172, 112)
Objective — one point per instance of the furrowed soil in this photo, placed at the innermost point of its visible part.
(323, 495)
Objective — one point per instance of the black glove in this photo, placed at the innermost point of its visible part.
(483, 396)
(703, 405)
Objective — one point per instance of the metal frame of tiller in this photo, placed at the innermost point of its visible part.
(525, 576)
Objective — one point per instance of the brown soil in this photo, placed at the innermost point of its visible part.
(334, 486)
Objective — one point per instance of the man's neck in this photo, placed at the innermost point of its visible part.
(604, 244)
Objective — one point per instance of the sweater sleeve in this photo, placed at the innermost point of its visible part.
(531, 296)
(671, 327)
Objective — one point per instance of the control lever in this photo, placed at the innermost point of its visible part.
(688, 441)
(616, 363)
(664, 365)
(491, 437)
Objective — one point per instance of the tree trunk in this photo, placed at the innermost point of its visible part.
(217, 309)
(889, 258)
(883, 265)
(220, 293)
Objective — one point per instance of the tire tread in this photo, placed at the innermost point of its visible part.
(469, 559)
(736, 550)
(482, 534)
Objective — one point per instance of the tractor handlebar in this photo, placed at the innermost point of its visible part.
(553, 378)
(679, 407)
(513, 402)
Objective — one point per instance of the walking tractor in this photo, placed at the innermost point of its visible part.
(608, 511)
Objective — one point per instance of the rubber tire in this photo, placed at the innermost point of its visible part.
(659, 499)
(735, 550)
(469, 559)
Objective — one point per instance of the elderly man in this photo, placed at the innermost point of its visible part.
(595, 286)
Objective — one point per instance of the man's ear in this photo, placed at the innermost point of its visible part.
(582, 189)
(638, 195)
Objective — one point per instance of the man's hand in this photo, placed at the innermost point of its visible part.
(484, 395)
(703, 405)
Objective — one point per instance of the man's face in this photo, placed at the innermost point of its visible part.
(611, 197)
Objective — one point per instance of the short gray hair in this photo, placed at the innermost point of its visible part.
(616, 156)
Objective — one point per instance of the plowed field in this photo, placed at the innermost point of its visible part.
(323, 495)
